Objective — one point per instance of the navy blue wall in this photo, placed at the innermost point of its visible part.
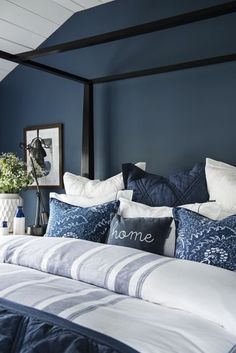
(171, 120)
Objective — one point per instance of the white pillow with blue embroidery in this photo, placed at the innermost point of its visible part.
(204, 240)
(88, 223)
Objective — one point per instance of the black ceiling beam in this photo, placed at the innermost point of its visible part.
(167, 68)
(42, 67)
(169, 22)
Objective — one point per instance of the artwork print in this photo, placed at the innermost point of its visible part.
(45, 153)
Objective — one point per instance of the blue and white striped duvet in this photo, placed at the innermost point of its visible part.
(152, 303)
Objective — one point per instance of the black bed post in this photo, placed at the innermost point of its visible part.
(87, 155)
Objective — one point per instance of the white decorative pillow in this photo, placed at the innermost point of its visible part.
(221, 183)
(82, 201)
(131, 209)
(81, 186)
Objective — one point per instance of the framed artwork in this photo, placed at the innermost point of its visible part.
(44, 150)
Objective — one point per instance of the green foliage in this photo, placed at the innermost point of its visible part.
(13, 174)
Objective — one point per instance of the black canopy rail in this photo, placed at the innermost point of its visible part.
(41, 67)
(25, 59)
(149, 27)
(167, 68)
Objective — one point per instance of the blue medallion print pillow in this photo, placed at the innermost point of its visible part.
(204, 240)
(182, 188)
(90, 223)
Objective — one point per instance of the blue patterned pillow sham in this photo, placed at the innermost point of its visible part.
(90, 223)
(204, 240)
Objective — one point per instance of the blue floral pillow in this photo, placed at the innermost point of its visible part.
(204, 240)
(90, 223)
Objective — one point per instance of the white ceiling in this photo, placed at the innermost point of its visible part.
(25, 24)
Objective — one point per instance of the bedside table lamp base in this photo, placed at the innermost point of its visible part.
(41, 219)
(36, 230)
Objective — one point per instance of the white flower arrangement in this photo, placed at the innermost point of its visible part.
(13, 174)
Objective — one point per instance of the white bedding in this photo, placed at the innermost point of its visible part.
(154, 304)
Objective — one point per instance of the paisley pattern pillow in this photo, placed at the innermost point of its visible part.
(204, 240)
(90, 223)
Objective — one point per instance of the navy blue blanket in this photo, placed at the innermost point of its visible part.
(27, 330)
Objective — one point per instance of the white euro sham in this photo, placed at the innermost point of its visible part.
(81, 186)
(221, 183)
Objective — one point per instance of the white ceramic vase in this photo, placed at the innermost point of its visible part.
(8, 206)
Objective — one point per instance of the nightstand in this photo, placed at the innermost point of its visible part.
(13, 235)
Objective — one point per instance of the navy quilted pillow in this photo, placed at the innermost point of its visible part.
(204, 240)
(154, 190)
(89, 223)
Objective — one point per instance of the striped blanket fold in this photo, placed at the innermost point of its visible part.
(198, 288)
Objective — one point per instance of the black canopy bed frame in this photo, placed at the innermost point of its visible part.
(26, 59)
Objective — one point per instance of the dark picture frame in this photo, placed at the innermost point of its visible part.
(52, 135)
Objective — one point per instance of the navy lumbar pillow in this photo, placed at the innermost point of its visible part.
(154, 190)
(89, 223)
(204, 240)
(147, 234)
